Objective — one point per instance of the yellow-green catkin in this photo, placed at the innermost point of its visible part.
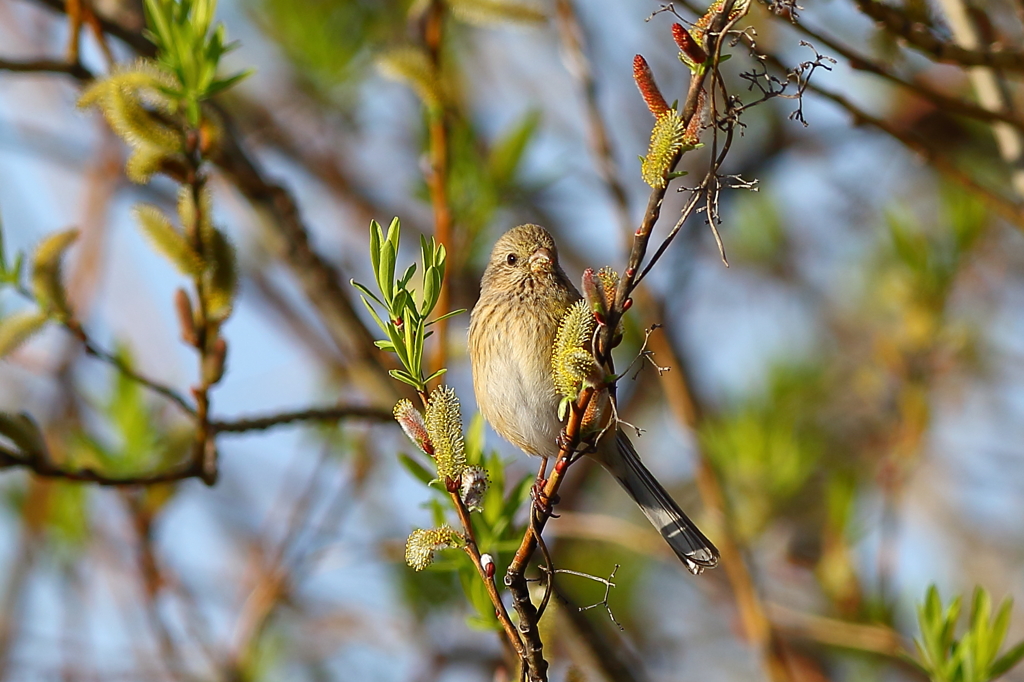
(667, 140)
(47, 284)
(127, 98)
(412, 66)
(571, 361)
(444, 426)
(422, 543)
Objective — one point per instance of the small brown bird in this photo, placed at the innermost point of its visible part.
(523, 296)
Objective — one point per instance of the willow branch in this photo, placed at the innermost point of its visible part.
(1002, 205)
(41, 466)
(437, 177)
(954, 105)
(922, 38)
(73, 69)
(314, 414)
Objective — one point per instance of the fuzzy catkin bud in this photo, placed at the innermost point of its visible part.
(690, 50)
(421, 545)
(411, 421)
(593, 293)
(571, 363)
(444, 426)
(609, 284)
(648, 88)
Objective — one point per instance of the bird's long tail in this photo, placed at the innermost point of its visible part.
(682, 535)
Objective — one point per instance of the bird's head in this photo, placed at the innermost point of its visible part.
(522, 258)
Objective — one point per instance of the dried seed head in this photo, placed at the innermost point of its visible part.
(474, 485)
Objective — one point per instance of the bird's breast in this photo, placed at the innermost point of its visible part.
(510, 352)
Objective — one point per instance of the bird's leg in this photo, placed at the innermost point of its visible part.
(541, 481)
(540, 500)
(562, 441)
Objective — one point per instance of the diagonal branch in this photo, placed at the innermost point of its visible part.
(922, 38)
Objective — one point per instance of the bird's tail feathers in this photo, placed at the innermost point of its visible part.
(682, 535)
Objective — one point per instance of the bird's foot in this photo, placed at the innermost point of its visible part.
(541, 502)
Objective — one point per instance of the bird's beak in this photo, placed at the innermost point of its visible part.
(541, 260)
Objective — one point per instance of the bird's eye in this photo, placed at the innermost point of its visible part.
(511, 259)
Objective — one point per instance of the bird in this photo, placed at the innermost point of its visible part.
(524, 293)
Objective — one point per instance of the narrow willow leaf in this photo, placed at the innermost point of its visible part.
(1007, 661)
(18, 328)
(23, 431)
(167, 241)
(418, 471)
(507, 153)
(46, 273)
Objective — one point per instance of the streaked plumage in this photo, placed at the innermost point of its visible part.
(523, 295)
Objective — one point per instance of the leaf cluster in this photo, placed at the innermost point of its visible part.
(973, 657)
(405, 308)
(190, 46)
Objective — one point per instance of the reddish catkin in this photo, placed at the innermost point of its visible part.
(648, 88)
(687, 45)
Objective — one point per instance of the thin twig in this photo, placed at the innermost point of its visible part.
(922, 38)
(314, 414)
(74, 69)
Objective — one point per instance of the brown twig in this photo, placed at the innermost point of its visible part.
(74, 69)
(437, 177)
(942, 101)
(41, 466)
(1005, 207)
(313, 414)
(921, 37)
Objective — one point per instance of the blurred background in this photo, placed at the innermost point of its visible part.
(842, 411)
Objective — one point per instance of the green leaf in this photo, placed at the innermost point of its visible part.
(404, 377)
(18, 328)
(435, 375)
(507, 153)
(1007, 661)
(474, 442)
(409, 272)
(376, 318)
(375, 239)
(418, 471)
(386, 274)
(366, 292)
(22, 430)
(446, 316)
